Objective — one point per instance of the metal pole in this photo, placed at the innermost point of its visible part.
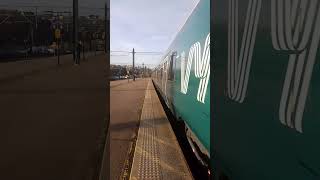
(106, 24)
(32, 36)
(104, 164)
(83, 49)
(36, 17)
(133, 69)
(58, 51)
(75, 30)
(36, 24)
(58, 39)
(143, 69)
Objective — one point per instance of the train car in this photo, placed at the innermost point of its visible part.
(266, 95)
(183, 79)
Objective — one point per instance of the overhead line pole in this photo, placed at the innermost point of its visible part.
(134, 77)
(143, 69)
(75, 30)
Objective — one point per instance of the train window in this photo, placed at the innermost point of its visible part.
(171, 68)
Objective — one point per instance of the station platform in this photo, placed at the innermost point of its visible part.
(157, 153)
(53, 119)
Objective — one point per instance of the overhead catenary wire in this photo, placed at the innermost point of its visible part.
(139, 52)
(113, 53)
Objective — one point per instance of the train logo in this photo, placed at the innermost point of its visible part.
(201, 68)
(239, 66)
(295, 30)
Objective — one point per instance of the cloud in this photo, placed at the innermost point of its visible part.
(159, 37)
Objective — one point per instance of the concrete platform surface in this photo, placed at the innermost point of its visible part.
(52, 122)
(126, 100)
(157, 153)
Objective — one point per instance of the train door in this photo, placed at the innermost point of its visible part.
(161, 80)
(165, 77)
(171, 79)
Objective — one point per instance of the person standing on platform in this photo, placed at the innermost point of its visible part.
(79, 48)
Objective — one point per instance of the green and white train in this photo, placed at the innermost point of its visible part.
(183, 79)
(265, 78)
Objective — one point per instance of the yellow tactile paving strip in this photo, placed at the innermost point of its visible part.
(157, 154)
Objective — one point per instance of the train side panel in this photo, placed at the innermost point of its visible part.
(266, 123)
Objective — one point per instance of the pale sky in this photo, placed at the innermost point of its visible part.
(146, 25)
